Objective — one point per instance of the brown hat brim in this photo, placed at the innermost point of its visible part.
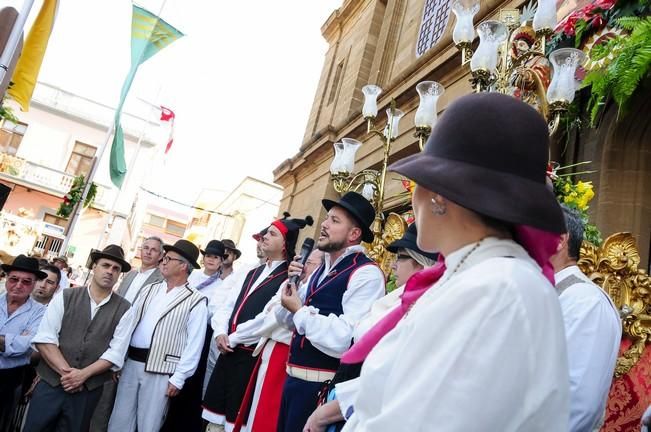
(94, 256)
(192, 261)
(497, 194)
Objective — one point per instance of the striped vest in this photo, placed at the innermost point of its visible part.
(170, 332)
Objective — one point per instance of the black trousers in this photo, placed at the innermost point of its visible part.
(53, 409)
(10, 380)
(184, 413)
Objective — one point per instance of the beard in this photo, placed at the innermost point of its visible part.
(330, 245)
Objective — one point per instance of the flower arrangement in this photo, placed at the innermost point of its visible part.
(616, 36)
(575, 195)
(74, 195)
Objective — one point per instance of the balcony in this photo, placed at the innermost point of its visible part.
(48, 180)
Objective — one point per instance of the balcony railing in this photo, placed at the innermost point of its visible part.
(47, 179)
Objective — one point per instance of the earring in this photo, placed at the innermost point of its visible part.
(438, 208)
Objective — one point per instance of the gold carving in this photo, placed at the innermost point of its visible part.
(614, 267)
(394, 228)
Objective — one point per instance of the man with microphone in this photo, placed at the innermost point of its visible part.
(324, 310)
(235, 365)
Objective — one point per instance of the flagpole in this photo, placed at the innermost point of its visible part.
(14, 39)
(109, 222)
(91, 176)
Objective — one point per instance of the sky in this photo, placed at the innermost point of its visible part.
(241, 82)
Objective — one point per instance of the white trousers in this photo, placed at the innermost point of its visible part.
(141, 400)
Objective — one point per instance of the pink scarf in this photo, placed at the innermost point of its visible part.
(540, 245)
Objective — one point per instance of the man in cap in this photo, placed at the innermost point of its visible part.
(132, 284)
(46, 288)
(61, 262)
(323, 312)
(169, 322)
(235, 364)
(593, 330)
(151, 252)
(185, 409)
(20, 316)
(83, 335)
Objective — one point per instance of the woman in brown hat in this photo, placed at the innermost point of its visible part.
(483, 348)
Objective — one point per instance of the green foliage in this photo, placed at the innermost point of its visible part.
(391, 283)
(630, 66)
(7, 113)
(74, 195)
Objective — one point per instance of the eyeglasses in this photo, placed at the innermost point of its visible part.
(167, 259)
(16, 280)
(403, 257)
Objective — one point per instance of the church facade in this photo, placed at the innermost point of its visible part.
(396, 45)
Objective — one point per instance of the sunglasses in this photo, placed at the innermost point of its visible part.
(403, 257)
(16, 280)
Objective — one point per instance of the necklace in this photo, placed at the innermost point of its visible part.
(457, 267)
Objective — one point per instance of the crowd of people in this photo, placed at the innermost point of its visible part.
(492, 325)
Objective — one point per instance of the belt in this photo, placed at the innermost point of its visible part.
(138, 354)
(311, 375)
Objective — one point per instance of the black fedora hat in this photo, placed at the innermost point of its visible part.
(214, 247)
(359, 208)
(186, 249)
(114, 253)
(408, 241)
(230, 245)
(25, 264)
(489, 153)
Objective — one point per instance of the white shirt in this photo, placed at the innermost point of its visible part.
(380, 308)
(137, 283)
(223, 312)
(332, 334)
(593, 330)
(50, 327)
(196, 329)
(64, 283)
(196, 278)
(482, 350)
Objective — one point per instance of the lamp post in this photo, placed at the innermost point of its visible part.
(371, 183)
(511, 56)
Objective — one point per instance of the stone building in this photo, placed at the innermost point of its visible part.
(396, 44)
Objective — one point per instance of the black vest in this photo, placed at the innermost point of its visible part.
(251, 302)
(327, 297)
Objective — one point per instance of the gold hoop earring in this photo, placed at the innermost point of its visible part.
(438, 208)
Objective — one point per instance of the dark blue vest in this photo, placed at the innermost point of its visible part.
(325, 296)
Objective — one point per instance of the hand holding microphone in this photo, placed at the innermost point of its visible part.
(290, 299)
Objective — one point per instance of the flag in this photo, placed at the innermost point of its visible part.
(29, 64)
(167, 115)
(149, 35)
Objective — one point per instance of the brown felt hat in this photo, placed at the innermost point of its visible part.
(113, 253)
(489, 153)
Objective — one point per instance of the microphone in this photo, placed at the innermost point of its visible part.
(306, 250)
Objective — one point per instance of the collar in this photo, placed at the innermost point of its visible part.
(147, 272)
(103, 302)
(348, 251)
(490, 247)
(567, 271)
(272, 265)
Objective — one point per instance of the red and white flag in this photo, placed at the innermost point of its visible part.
(167, 115)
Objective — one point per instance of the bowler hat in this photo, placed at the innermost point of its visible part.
(489, 153)
(214, 247)
(359, 208)
(24, 264)
(408, 241)
(186, 249)
(113, 253)
(230, 245)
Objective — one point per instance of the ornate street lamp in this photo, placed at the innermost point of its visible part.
(370, 182)
(511, 56)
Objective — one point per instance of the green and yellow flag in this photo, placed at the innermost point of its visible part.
(29, 64)
(149, 35)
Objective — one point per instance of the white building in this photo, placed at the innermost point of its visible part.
(56, 140)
